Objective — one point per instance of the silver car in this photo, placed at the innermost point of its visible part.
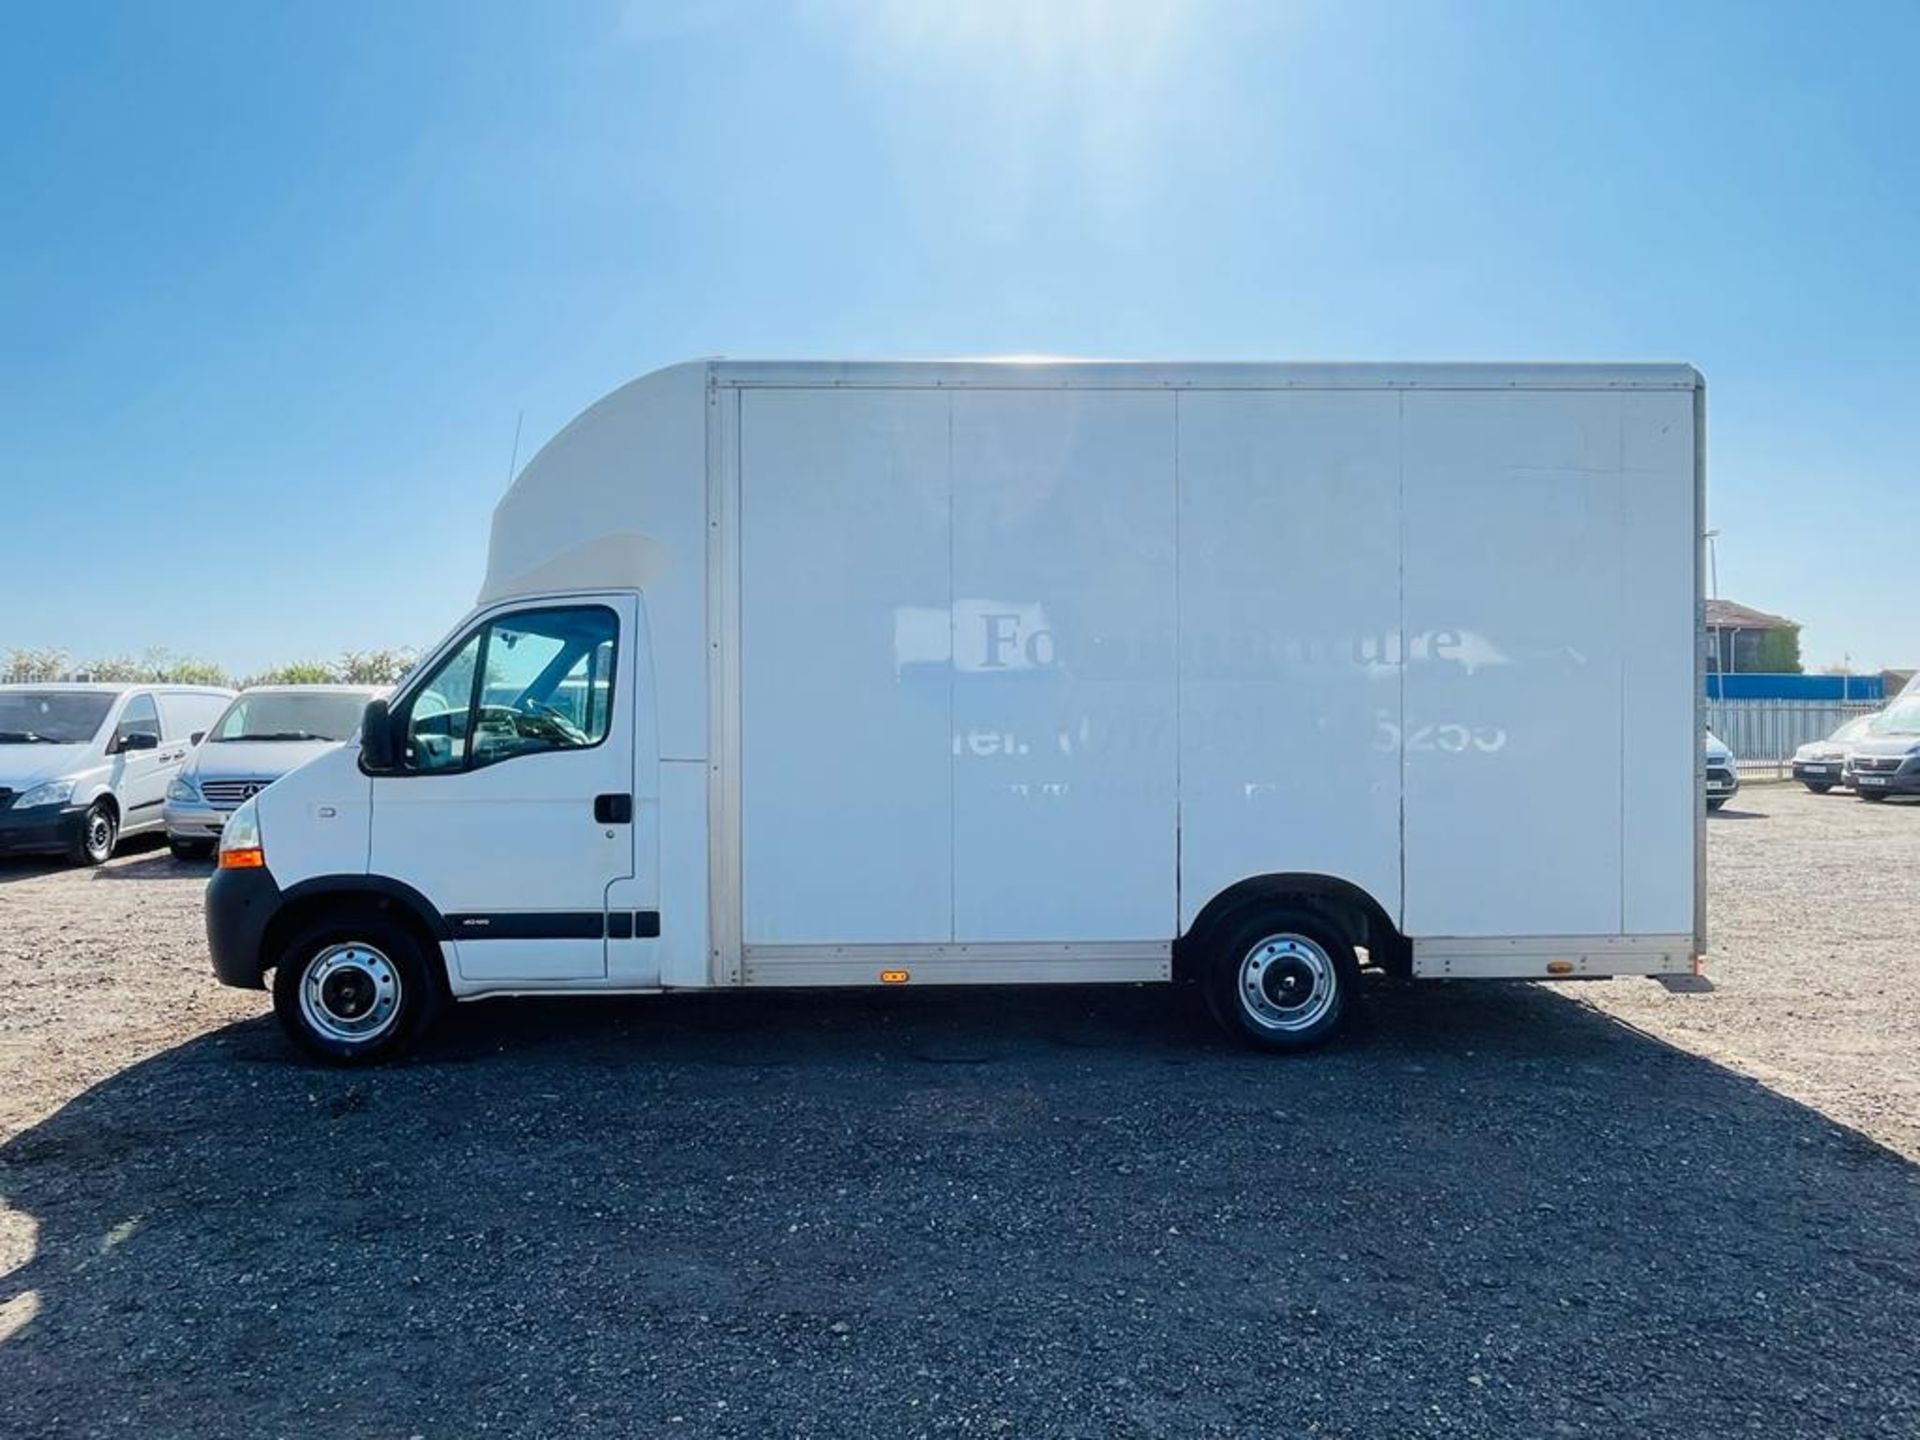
(1820, 765)
(1723, 772)
(266, 731)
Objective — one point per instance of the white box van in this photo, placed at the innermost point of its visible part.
(959, 673)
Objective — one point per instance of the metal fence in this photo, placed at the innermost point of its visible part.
(1765, 733)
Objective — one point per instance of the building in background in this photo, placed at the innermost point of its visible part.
(1743, 641)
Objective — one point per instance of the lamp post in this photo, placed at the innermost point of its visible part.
(1713, 592)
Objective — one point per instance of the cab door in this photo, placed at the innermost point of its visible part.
(144, 763)
(512, 810)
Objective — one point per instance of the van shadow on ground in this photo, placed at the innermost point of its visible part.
(1063, 1212)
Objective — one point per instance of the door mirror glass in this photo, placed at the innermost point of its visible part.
(138, 740)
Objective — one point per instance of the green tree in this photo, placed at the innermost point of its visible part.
(375, 667)
(155, 667)
(300, 672)
(34, 667)
(1778, 652)
(115, 670)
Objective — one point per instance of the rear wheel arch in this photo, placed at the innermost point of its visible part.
(1347, 907)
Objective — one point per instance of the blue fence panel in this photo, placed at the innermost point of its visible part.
(1840, 688)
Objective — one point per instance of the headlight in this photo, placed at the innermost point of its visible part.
(183, 791)
(54, 792)
(240, 839)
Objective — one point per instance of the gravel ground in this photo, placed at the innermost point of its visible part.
(1496, 1210)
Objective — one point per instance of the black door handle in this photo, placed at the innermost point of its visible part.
(613, 809)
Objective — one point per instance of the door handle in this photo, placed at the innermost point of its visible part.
(613, 809)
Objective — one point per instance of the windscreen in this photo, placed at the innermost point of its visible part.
(51, 717)
(320, 716)
(1902, 719)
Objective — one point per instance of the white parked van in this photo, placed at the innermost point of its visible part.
(82, 766)
(957, 673)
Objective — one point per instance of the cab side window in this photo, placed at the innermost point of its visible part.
(438, 712)
(533, 681)
(139, 718)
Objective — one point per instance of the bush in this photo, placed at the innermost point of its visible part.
(301, 672)
(33, 667)
(163, 667)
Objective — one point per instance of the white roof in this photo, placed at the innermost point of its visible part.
(1046, 373)
(322, 689)
(115, 687)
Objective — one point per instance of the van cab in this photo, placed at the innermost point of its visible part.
(83, 766)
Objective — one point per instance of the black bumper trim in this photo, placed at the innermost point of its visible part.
(41, 830)
(240, 904)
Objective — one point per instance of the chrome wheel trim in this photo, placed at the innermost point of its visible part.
(1287, 983)
(350, 993)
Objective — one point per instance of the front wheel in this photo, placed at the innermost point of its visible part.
(1817, 787)
(190, 849)
(99, 830)
(1283, 979)
(1716, 803)
(1876, 796)
(355, 989)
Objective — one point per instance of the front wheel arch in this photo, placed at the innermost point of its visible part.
(312, 900)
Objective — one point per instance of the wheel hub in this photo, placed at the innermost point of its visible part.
(1287, 982)
(351, 992)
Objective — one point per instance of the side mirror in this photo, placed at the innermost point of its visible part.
(138, 740)
(378, 753)
(196, 737)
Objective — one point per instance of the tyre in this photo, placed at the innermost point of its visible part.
(1875, 796)
(190, 849)
(1716, 803)
(99, 831)
(1819, 787)
(1283, 979)
(356, 988)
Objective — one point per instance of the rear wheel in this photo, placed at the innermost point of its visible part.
(98, 833)
(1283, 979)
(356, 989)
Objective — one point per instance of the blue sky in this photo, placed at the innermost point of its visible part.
(276, 280)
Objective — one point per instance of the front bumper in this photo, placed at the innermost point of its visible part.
(1905, 781)
(1722, 783)
(193, 822)
(240, 904)
(45, 829)
(1821, 772)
